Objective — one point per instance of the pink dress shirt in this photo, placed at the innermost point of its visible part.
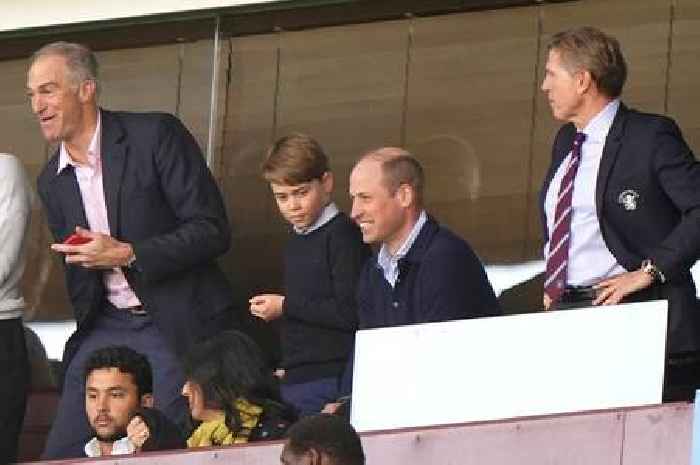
(89, 176)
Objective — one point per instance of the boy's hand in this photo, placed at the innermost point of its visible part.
(267, 306)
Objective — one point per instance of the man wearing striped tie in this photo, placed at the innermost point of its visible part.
(621, 200)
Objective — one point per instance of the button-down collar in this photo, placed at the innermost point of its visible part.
(388, 263)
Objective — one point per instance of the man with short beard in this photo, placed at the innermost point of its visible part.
(118, 404)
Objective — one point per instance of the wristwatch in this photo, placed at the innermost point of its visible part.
(649, 268)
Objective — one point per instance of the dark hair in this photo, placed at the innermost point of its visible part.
(80, 60)
(228, 367)
(327, 434)
(295, 159)
(587, 48)
(126, 360)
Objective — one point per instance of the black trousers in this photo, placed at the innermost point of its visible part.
(14, 384)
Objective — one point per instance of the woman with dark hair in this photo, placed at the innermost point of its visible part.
(232, 393)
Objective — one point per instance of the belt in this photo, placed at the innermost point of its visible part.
(573, 294)
(137, 310)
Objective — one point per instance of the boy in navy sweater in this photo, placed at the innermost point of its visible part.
(323, 259)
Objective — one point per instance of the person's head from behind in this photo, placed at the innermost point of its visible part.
(322, 440)
(62, 87)
(386, 186)
(584, 65)
(297, 169)
(118, 381)
(222, 370)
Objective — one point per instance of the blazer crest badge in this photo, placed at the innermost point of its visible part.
(629, 199)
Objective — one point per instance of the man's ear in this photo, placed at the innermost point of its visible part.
(87, 91)
(405, 195)
(147, 400)
(584, 81)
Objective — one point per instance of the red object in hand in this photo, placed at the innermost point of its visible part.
(75, 239)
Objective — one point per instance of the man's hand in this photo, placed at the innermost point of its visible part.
(103, 251)
(137, 432)
(546, 301)
(267, 306)
(331, 407)
(612, 290)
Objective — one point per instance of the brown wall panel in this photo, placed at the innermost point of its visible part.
(194, 102)
(253, 261)
(344, 86)
(142, 79)
(470, 96)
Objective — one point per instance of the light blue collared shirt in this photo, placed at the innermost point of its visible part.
(390, 263)
(328, 213)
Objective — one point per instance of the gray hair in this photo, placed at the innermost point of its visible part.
(80, 61)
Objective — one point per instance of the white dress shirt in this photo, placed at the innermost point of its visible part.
(590, 260)
(121, 446)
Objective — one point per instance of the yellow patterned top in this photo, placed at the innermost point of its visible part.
(216, 433)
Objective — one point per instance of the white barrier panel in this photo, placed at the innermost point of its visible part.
(509, 366)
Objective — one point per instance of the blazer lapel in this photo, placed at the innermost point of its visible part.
(113, 163)
(612, 146)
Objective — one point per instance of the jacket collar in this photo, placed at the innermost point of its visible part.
(114, 151)
(114, 148)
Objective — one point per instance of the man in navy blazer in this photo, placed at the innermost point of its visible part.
(634, 215)
(145, 222)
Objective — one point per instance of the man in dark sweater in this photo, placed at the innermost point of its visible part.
(423, 272)
(323, 260)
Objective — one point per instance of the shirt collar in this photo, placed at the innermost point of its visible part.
(119, 447)
(597, 129)
(94, 149)
(328, 213)
(384, 258)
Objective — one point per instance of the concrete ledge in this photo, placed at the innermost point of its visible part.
(653, 435)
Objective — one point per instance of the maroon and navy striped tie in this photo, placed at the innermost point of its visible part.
(558, 253)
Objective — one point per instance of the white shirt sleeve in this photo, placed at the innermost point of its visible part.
(15, 211)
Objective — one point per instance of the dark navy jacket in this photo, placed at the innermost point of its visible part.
(161, 198)
(645, 155)
(440, 279)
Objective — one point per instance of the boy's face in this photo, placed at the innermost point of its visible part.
(301, 204)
